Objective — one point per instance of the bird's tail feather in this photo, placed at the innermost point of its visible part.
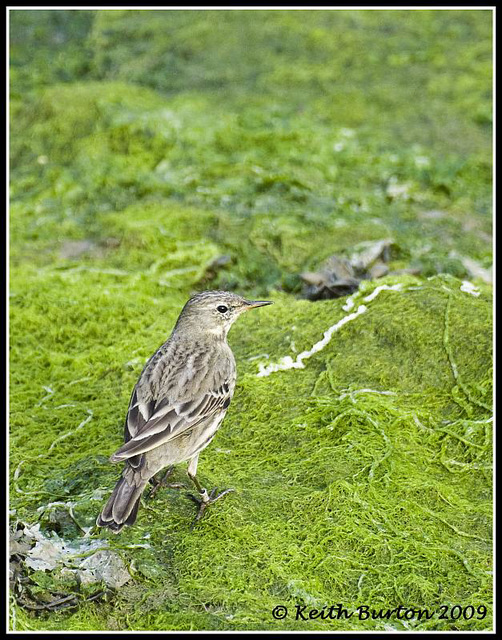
(122, 506)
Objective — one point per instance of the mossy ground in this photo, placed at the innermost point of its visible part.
(163, 142)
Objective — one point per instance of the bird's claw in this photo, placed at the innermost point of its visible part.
(158, 484)
(204, 500)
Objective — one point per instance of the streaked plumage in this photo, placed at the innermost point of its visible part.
(179, 401)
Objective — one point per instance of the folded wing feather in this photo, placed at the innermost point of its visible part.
(151, 424)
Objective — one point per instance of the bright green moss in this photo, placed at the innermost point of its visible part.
(297, 183)
(372, 497)
(363, 478)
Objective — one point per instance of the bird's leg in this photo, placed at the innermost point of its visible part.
(205, 498)
(157, 484)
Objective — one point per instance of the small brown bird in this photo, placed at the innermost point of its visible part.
(178, 403)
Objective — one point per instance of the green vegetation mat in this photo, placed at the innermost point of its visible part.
(144, 146)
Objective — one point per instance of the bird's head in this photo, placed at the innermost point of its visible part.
(214, 312)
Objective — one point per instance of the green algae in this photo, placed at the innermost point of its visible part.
(370, 486)
(288, 177)
(366, 476)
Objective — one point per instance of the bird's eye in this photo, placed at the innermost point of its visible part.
(222, 308)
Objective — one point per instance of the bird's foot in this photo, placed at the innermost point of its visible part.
(204, 500)
(158, 484)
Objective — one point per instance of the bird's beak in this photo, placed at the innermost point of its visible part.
(252, 304)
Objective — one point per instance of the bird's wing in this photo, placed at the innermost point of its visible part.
(169, 421)
(161, 410)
